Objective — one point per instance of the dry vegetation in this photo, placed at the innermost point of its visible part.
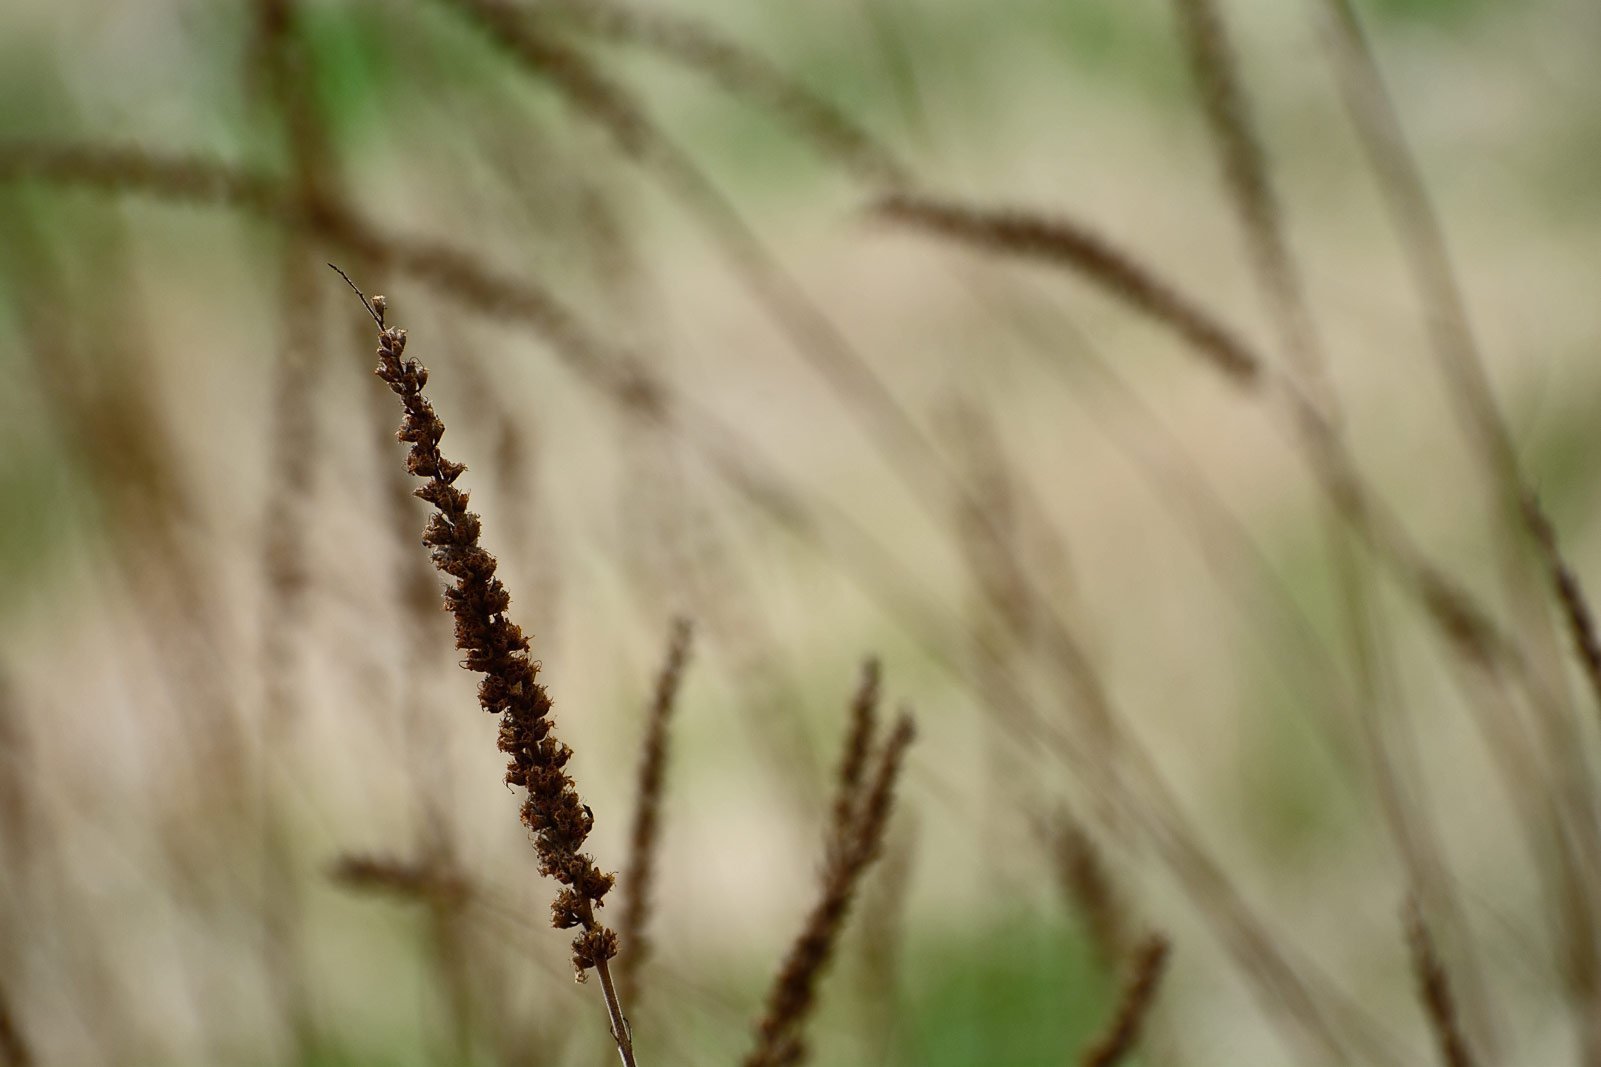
(225, 740)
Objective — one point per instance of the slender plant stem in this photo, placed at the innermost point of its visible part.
(614, 1008)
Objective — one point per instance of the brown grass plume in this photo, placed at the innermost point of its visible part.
(1071, 244)
(1434, 990)
(496, 649)
(780, 1033)
(1134, 1006)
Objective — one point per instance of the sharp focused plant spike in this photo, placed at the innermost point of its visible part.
(496, 648)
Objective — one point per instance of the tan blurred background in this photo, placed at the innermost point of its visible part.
(222, 662)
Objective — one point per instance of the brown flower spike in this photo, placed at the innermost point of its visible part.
(495, 647)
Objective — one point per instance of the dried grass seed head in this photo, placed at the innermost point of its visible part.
(496, 648)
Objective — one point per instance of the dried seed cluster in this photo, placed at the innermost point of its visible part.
(496, 648)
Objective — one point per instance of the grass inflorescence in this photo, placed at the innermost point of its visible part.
(497, 650)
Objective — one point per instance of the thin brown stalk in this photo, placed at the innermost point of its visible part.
(1412, 213)
(22, 835)
(539, 51)
(1463, 370)
(1071, 244)
(1434, 990)
(1576, 608)
(20, 823)
(294, 444)
(446, 894)
(883, 936)
(1244, 162)
(889, 44)
(1134, 1005)
(1455, 347)
(281, 67)
(623, 116)
(194, 179)
(744, 75)
(294, 434)
(1183, 487)
(989, 524)
(639, 873)
(1318, 422)
(858, 745)
(496, 649)
(1089, 888)
(1104, 904)
(688, 558)
(1326, 1023)
(1012, 578)
(430, 882)
(119, 168)
(780, 1033)
(14, 1048)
